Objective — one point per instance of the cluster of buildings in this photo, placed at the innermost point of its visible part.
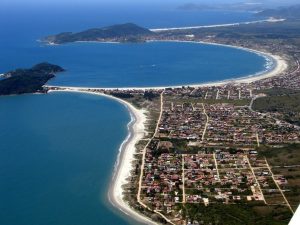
(204, 183)
(288, 80)
(205, 154)
(234, 125)
(223, 124)
(210, 176)
(219, 164)
(162, 184)
(229, 91)
(182, 121)
(221, 177)
(230, 125)
(204, 148)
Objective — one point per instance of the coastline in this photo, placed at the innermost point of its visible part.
(269, 20)
(157, 30)
(136, 126)
(279, 66)
(123, 165)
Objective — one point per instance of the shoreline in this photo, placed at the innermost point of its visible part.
(279, 66)
(269, 20)
(157, 30)
(127, 149)
(137, 131)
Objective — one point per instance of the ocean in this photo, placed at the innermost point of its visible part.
(57, 151)
(139, 65)
(57, 157)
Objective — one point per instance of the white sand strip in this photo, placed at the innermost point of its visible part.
(137, 130)
(127, 150)
(269, 20)
(279, 67)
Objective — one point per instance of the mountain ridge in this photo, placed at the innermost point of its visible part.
(127, 32)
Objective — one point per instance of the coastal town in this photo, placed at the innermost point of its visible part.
(150, 112)
(217, 153)
(208, 154)
(211, 146)
(204, 149)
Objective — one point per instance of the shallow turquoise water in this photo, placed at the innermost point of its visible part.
(57, 155)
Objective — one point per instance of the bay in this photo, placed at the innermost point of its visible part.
(57, 156)
(57, 151)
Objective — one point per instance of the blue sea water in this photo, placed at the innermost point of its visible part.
(57, 151)
(28, 23)
(132, 65)
(57, 155)
(121, 65)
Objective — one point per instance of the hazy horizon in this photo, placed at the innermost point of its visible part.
(118, 3)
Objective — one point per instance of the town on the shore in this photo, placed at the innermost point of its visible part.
(222, 153)
(214, 145)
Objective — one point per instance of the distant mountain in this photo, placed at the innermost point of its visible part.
(128, 32)
(31, 80)
(291, 12)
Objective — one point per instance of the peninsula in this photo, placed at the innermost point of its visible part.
(31, 80)
(127, 32)
(224, 151)
(221, 153)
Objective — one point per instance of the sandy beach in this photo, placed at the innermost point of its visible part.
(123, 165)
(136, 128)
(269, 20)
(279, 67)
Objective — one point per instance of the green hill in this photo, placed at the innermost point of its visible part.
(31, 80)
(128, 32)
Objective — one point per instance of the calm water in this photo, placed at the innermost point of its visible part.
(56, 160)
(29, 23)
(131, 65)
(57, 151)
(121, 65)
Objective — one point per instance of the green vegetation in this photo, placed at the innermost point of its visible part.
(122, 95)
(237, 214)
(128, 32)
(282, 101)
(150, 95)
(138, 100)
(22, 81)
(286, 30)
(285, 161)
(278, 91)
(281, 156)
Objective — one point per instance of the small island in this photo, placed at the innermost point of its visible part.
(127, 32)
(31, 80)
